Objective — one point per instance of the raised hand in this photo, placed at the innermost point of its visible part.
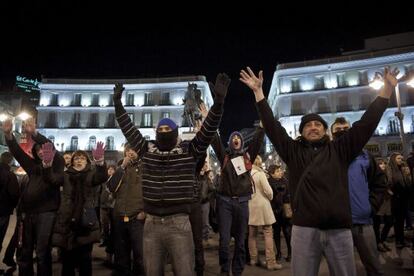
(48, 153)
(390, 81)
(250, 79)
(118, 89)
(98, 152)
(253, 82)
(7, 126)
(220, 88)
(125, 162)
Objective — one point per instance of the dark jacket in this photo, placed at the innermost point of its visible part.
(126, 186)
(38, 195)
(318, 172)
(168, 178)
(78, 194)
(281, 194)
(9, 190)
(232, 184)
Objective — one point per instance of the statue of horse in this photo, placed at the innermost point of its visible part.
(192, 100)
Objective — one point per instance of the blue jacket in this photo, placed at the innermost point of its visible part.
(365, 188)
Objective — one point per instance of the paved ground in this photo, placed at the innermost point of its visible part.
(395, 262)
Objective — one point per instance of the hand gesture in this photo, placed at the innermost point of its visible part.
(250, 79)
(118, 89)
(48, 153)
(125, 162)
(390, 81)
(7, 126)
(98, 152)
(220, 88)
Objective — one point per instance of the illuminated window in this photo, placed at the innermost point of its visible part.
(74, 143)
(92, 142)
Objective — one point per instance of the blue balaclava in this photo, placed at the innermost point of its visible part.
(230, 142)
(167, 140)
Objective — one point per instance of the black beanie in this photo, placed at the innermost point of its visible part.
(311, 117)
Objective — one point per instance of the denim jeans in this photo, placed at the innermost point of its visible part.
(205, 211)
(197, 229)
(4, 223)
(310, 244)
(233, 216)
(129, 237)
(365, 242)
(170, 234)
(37, 230)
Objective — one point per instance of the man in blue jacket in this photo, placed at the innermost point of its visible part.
(366, 191)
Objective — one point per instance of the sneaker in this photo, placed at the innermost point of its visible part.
(381, 248)
(274, 266)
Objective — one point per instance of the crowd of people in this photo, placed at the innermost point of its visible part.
(160, 203)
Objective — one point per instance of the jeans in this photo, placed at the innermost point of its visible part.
(197, 229)
(310, 244)
(37, 230)
(170, 234)
(233, 216)
(365, 242)
(79, 257)
(205, 211)
(4, 223)
(129, 236)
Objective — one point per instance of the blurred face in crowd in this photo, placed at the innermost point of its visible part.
(382, 165)
(111, 171)
(39, 152)
(399, 159)
(79, 162)
(236, 141)
(313, 131)
(340, 128)
(405, 169)
(278, 174)
(68, 159)
(131, 154)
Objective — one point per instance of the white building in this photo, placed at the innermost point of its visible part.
(76, 113)
(340, 87)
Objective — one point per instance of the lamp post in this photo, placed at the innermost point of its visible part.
(378, 82)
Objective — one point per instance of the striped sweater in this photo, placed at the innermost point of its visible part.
(168, 177)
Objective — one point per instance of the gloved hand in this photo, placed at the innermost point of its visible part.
(48, 153)
(118, 89)
(98, 152)
(220, 88)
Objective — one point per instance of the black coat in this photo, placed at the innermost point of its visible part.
(78, 193)
(9, 190)
(318, 172)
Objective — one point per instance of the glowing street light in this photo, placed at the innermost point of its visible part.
(24, 116)
(378, 82)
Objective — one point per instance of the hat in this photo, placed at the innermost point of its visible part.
(311, 117)
(167, 122)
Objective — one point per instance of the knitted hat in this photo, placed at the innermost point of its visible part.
(311, 117)
(167, 122)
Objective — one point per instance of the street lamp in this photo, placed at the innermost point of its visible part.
(378, 82)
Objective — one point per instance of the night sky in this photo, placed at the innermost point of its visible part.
(107, 41)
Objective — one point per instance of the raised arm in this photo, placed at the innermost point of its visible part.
(24, 160)
(352, 142)
(203, 138)
(130, 131)
(101, 173)
(277, 134)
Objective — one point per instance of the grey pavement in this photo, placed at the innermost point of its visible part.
(395, 262)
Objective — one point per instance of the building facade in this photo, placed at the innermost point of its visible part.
(341, 87)
(75, 113)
